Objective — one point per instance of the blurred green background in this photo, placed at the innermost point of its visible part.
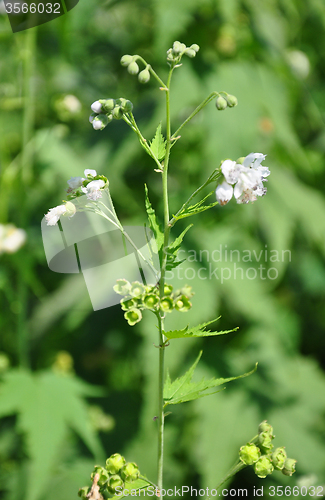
(86, 387)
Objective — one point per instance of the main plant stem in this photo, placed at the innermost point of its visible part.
(161, 416)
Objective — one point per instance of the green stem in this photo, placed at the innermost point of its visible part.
(161, 416)
(154, 74)
(239, 466)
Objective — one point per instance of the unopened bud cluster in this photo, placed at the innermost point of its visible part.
(138, 297)
(174, 55)
(115, 474)
(106, 110)
(130, 62)
(226, 101)
(260, 453)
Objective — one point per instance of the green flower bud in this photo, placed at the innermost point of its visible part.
(221, 103)
(166, 304)
(240, 162)
(144, 76)
(263, 467)
(122, 287)
(128, 304)
(231, 101)
(107, 105)
(133, 68)
(115, 463)
(195, 47)
(265, 441)
(126, 60)
(178, 47)
(150, 301)
(103, 475)
(182, 304)
(249, 454)
(117, 112)
(100, 122)
(133, 316)
(264, 426)
(278, 458)
(126, 105)
(168, 289)
(170, 55)
(187, 291)
(114, 482)
(70, 209)
(137, 289)
(190, 52)
(83, 492)
(289, 467)
(130, 472)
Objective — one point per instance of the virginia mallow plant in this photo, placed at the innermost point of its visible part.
(242, 179)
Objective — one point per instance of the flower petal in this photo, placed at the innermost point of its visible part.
(224, 193)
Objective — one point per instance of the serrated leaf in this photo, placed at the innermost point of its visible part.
(183, 389)
(195, 209)
(172, 250)
(153, 223)
(48, 405)
(196, 331)
(158, 144)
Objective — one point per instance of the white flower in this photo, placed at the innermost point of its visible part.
(75, 182)
(224, 193)
(96, 107)
(54, 215)
(11, 238)
(230, 170)
(88, 171)
(92, 190)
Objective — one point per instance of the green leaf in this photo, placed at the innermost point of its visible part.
(172, 251)
(196, 331)
(48, 405)
(153, 223)
(158, 144)
(195, 209)
(183, 389)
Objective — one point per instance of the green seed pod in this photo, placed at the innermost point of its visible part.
(289, 467)
(182, 304)
(115, 463)
(190, 53)
(126, 60)
(195, 47)
(83, 492)
(117, 113)
(130, 472)
(168, 289)
(265, 441)
(103, 475)
(221, 103)
(137, 289)
(166, 304)
(127, 304)
(231, 101)
(133, 68)
(263, 467)
(133, 316)
(249, 454)
(264, 426)
(114, 482)
(107, 104)
(150, 301)
(278, 458)
(178, 47)
(122, 287)
(144, 76)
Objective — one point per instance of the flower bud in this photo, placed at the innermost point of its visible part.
(263, 467)
(170, 55)
(249, 454)
(117, 112)
(144, 76)
(92, 117)
(126, 60)
(264, 426)
(107, 105)
(122, 287)
(195, 47)
(130, 472)
(182, 304)
(289, 467)
(231, 101)
(190, 52)
(133, 316)
(178, 47)
(278, 458)
(96, 107)
(70, 209)
(137, 289)
(221, 103)
(83, 492)
(133, 68)
(166, 304)
(115, 463)
(150, 301)
(168, 289)
(187, 291)
(114, 482)
(103, 475)
(127, 304)
(100, 122)
(240, 160)
(126, 105)
(265, 441)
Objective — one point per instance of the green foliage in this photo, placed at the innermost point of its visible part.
(183, 389)
(173, 249)
(158, 145)
(153, 224)
(196, 331)
(195, 209)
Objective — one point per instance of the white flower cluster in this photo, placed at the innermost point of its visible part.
(244, 181)
(92, 190)
(11, 238)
